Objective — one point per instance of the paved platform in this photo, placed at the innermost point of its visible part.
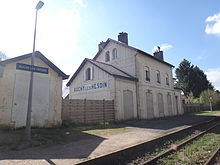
(81, 150)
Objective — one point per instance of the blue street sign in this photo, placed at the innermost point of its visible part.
(31, 68)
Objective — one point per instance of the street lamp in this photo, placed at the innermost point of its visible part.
(29, 108)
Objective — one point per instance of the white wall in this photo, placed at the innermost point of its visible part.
(122, 85)
(163, 88)
(7, 86)
(125, 57)
(99, 76)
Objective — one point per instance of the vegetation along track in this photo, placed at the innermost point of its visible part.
(141, 153)
(194, 150)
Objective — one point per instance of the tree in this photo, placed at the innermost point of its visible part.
(191, 79)
(210, 97)
(3, 55)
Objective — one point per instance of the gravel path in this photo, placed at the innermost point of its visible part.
(81, 150)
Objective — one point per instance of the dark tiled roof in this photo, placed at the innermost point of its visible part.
(138, 50)
(115, 72)
(39, 55)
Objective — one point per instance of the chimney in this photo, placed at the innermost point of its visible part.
(158, 54)
(101, 45)
(123, 37)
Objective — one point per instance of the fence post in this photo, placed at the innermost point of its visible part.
(84, 107)
(103, 102)
(113, 102)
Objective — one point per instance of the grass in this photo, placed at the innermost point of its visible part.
(197, 152)
(205, 113)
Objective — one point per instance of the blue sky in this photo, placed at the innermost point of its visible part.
(69, 31)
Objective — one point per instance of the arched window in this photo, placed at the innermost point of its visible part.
(88, 74)
(107, 56)
(167, 79)
(158, 76)
(114, 53)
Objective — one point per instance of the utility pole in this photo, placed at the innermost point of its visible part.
(29, 108)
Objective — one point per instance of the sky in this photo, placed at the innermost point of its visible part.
(69, 31)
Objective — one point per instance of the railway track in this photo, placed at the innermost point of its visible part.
(174, 149)
(215, 158)
(127, 155)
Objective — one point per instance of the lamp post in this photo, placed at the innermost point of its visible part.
(29, 108)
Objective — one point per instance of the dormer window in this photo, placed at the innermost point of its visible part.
(114, 53)
(158, 76)
(88, 74)
(107, 56)
(167, 79)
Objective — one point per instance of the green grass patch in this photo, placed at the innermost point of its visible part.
(197, 152)
(91, 126)
(206, 113)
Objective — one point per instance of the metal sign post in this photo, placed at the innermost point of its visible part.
(28, 121)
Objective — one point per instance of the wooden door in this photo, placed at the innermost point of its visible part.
(128, 104)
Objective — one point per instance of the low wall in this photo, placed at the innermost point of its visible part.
(190, 108)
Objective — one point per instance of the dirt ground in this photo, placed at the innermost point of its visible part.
(77, 146)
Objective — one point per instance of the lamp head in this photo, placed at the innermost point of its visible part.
(39, 5)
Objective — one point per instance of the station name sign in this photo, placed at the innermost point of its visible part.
(91, 86)
(31, 68)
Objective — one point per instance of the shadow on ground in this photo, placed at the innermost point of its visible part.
(169, 122)
(77, 145)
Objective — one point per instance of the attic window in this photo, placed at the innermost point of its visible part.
(88, 74)
(114, 53)
(107, 56)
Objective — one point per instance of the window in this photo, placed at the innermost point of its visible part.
(1, 71)
(107, 57)
(147, 73)
(88, 74)
(167, 79)
(169, 104)
(114, 53)
(158, 76)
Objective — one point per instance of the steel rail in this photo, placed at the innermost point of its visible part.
(212, 159)
(170, 151)
(129, 152)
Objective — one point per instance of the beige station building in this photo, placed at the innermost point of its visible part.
(140, 84)
(14, 91)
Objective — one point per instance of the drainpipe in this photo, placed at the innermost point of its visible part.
(137, 87)
(115, 107)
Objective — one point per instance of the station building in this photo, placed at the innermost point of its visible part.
(14, 91)
(140, 84)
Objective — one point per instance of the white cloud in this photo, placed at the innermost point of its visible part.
(213, 26)
(199, 57)
(213, 75)
(162, 47)
(57, 29)
(80, 3)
